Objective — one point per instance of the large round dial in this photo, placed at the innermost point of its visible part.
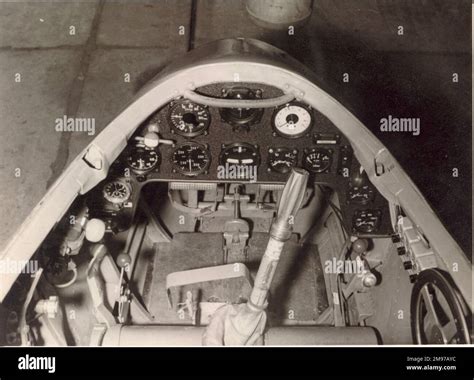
(142, 160)
(116, 191)
(317, 160)
(292, 120)
(281, 160)
(240, 154)
(189, 119)
(191, 159)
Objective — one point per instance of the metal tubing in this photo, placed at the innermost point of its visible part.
(277, 336)
(238, 103)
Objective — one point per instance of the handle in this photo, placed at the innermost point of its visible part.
(238, 103)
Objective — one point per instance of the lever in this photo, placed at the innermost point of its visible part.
(281, 230)
(153, 139)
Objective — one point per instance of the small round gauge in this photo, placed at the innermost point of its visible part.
(292, 120)
(281, 160)
(240, 154)
(191, 159)
(116, 191)
(361, 194)
(189, 119)
(142, 160)
(366, 221)
(317, 160)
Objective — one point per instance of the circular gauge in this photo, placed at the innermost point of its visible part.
(292, 120)
(361, 194)
(142, 160)
(189, 119)
(240, 154)
(317, 160)
(241, 117)
(116, 191)
(366, 221)
(191, 159)
(281, 160)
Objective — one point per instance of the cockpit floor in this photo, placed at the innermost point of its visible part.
(298, 293)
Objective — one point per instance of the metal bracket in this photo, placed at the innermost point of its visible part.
(413, 248)
(236, 234)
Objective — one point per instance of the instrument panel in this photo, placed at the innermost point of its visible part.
(186, 141)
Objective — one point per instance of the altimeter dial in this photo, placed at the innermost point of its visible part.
(189, 119)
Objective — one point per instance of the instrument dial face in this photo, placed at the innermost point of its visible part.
(191, 159)
(116, 192)
(189, 119)
(241, 117)
(142, 160)
(361, 194)
(281, 160)
(367, 221)
(240, 154)
(317, 160)
(292, 120)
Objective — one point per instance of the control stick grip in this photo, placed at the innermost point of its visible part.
(282, 227)
(290, 202)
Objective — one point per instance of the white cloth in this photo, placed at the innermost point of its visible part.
(235, 325)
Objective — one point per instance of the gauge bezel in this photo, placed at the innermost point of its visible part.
(271, 154)
(110, 199)
(306, 132)
(362, 201)
(226, 147)
(308, 151)
(375, 229)
(176, 130)
(245, 93)
(177, 169)
(142, 171)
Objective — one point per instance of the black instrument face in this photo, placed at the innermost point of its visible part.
(281, 160)
(116, 191)
(240, 154)
(189, 119)
(190, 159)
(362, 194)
(317, 160)
(367, 221)
(142, 160)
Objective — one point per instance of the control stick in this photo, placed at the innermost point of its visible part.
(244, 324)
(281, 229)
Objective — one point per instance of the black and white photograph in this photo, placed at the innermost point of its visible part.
(236, 173)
